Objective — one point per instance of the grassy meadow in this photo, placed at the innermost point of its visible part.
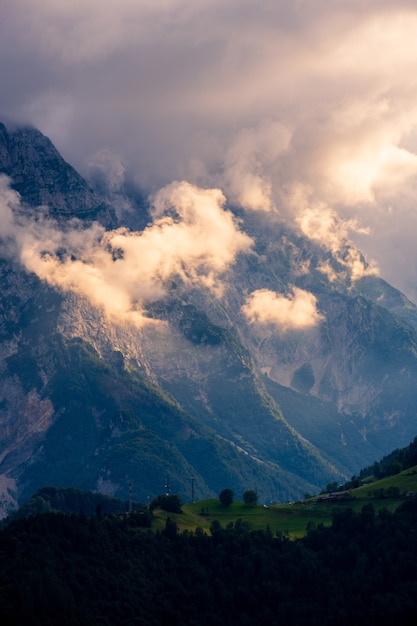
(291, 519)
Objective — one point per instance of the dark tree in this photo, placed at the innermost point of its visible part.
(226, 496)
(250, 497)
(171, 529)
(172, 503)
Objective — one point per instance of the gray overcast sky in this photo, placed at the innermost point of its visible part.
(307, 107)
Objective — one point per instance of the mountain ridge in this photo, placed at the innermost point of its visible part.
(221, 380)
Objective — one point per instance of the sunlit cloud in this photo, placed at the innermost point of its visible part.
(192, 238)
(360, 158)
(322, 224)
(296, 311)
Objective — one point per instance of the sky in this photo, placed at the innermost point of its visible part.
(305, 108)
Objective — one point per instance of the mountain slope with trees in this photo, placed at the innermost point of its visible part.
(201, 394)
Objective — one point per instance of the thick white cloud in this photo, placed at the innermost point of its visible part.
(297, 311)
(192, 237)
(254, 98)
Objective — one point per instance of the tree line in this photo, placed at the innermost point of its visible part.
(110, 569)
(393, 463)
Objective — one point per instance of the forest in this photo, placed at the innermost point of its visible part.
(393, 463)
(109, 568)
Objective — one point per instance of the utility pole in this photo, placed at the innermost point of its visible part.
(130, 496)
(192, 489)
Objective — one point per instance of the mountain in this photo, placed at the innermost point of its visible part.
(42, 177)
(198, 397)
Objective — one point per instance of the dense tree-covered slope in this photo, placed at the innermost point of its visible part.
(71, 569)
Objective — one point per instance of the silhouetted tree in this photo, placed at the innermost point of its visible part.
(172, 503)
(226, 496)
(250, 497)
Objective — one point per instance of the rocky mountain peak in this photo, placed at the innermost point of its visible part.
(42, 177)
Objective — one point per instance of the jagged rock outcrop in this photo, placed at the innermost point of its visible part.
(43, 178)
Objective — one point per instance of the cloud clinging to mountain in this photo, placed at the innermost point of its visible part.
(192, 238)
(295, 311)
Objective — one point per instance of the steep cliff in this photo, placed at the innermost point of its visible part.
(43, 178)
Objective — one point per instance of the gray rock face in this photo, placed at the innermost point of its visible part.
(90, 403)
(43, 178)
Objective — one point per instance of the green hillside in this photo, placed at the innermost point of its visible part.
(293, 519)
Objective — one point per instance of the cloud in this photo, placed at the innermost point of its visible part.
(297, 311)
(107, 170)
(254, 99)
(192, 238)
(247, 162)
(358, 157)
(107, 174)
(323, 225)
